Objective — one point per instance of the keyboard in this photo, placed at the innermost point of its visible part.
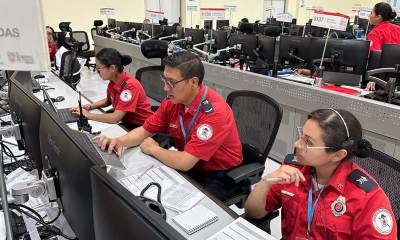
(67, 116)
(93, 148)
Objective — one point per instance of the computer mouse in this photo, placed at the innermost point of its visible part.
(59, 98)
(39, 76)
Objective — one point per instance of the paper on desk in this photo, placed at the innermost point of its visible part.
(176, 193)
(240, 229)
(19, 175)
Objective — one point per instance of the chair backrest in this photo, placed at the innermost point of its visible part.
(150, 79)
(257, 117)
(93, 31)
(386, 170)
(69, 67)
(82, 37)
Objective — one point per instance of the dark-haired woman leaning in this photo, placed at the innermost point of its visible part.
(327, 195)
(124, 92)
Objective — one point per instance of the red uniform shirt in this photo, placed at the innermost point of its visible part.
(384, 33)
(52, 50)
(128, 95)
(345, 210)
(213, 138)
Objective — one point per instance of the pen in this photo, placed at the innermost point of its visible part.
(145, 171)
(272, 179)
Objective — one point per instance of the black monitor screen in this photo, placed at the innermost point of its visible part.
(112, 23)
(208, 24)
(118, 214)
(222, 23)
(157, 30)
(24, 78)
(267, 48)
(294, 50)
(25, 109)
(168, 30)
(349, 55)
(61, 152)
(248, 42)
(137, 26)
(123, 26)
(196, 34)
(390, 55)
(220, 39)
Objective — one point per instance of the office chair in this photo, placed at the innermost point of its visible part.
(70, 69)
(150, 76)
(258, 118)
(387, 76)
(84, 51)
(386, 171)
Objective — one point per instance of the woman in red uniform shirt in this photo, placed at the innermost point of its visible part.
(384, 31)
(124, 92)
(51, 42)
(326, 196)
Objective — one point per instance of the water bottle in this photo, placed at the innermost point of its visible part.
(318, 82)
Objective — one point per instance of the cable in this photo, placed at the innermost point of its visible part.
(53, 229)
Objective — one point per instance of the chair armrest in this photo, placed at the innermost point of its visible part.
(252, 172)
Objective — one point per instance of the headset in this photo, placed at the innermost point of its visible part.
(348, 142)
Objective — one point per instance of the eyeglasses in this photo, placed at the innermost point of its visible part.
(305, 143)
(99, 68)
(170, 82)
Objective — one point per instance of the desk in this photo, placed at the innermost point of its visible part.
(133, 159)
(380, 121)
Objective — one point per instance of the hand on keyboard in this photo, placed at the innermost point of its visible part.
(110, 144)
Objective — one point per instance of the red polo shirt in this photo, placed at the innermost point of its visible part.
(213, 139)
(344, 210)
(128, 95)
(384, 33)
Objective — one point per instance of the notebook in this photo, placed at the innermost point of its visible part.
(195, 219)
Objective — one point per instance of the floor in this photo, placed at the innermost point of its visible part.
(95, 88)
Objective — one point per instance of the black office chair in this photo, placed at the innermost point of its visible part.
(70, 69)
(258, 118)
(149, 76)
(84, 51)
(386, 171)
(387, 76)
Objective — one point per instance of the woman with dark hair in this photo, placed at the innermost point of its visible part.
(326, 195)
(124, 92)
(384, 31)
(52, 42)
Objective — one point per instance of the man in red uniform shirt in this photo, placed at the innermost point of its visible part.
(200, 122)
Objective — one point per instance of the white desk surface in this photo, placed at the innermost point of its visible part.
(133, 158)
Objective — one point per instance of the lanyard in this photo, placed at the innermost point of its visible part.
(311, 207)
(185, 133)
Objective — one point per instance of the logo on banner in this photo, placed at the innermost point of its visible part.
(9, 32)
(15, 57)
(212, 13)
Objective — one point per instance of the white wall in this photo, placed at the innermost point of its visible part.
(81, 13)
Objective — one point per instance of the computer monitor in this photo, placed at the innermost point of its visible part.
(25, 110)
(137, 25)
(271, 30)
(248, 42)
(118, 214)
(294, 51)
(296, 30)
(313, 31)
(62, 152)
(267, 48)
(221, 40)
(157, 30)
(123, 26)
(196, 34)
(24, 78)
(111, 22)
(346, 55)
(390, 55)
(168, 30)
(208, 24)
(222, 23)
